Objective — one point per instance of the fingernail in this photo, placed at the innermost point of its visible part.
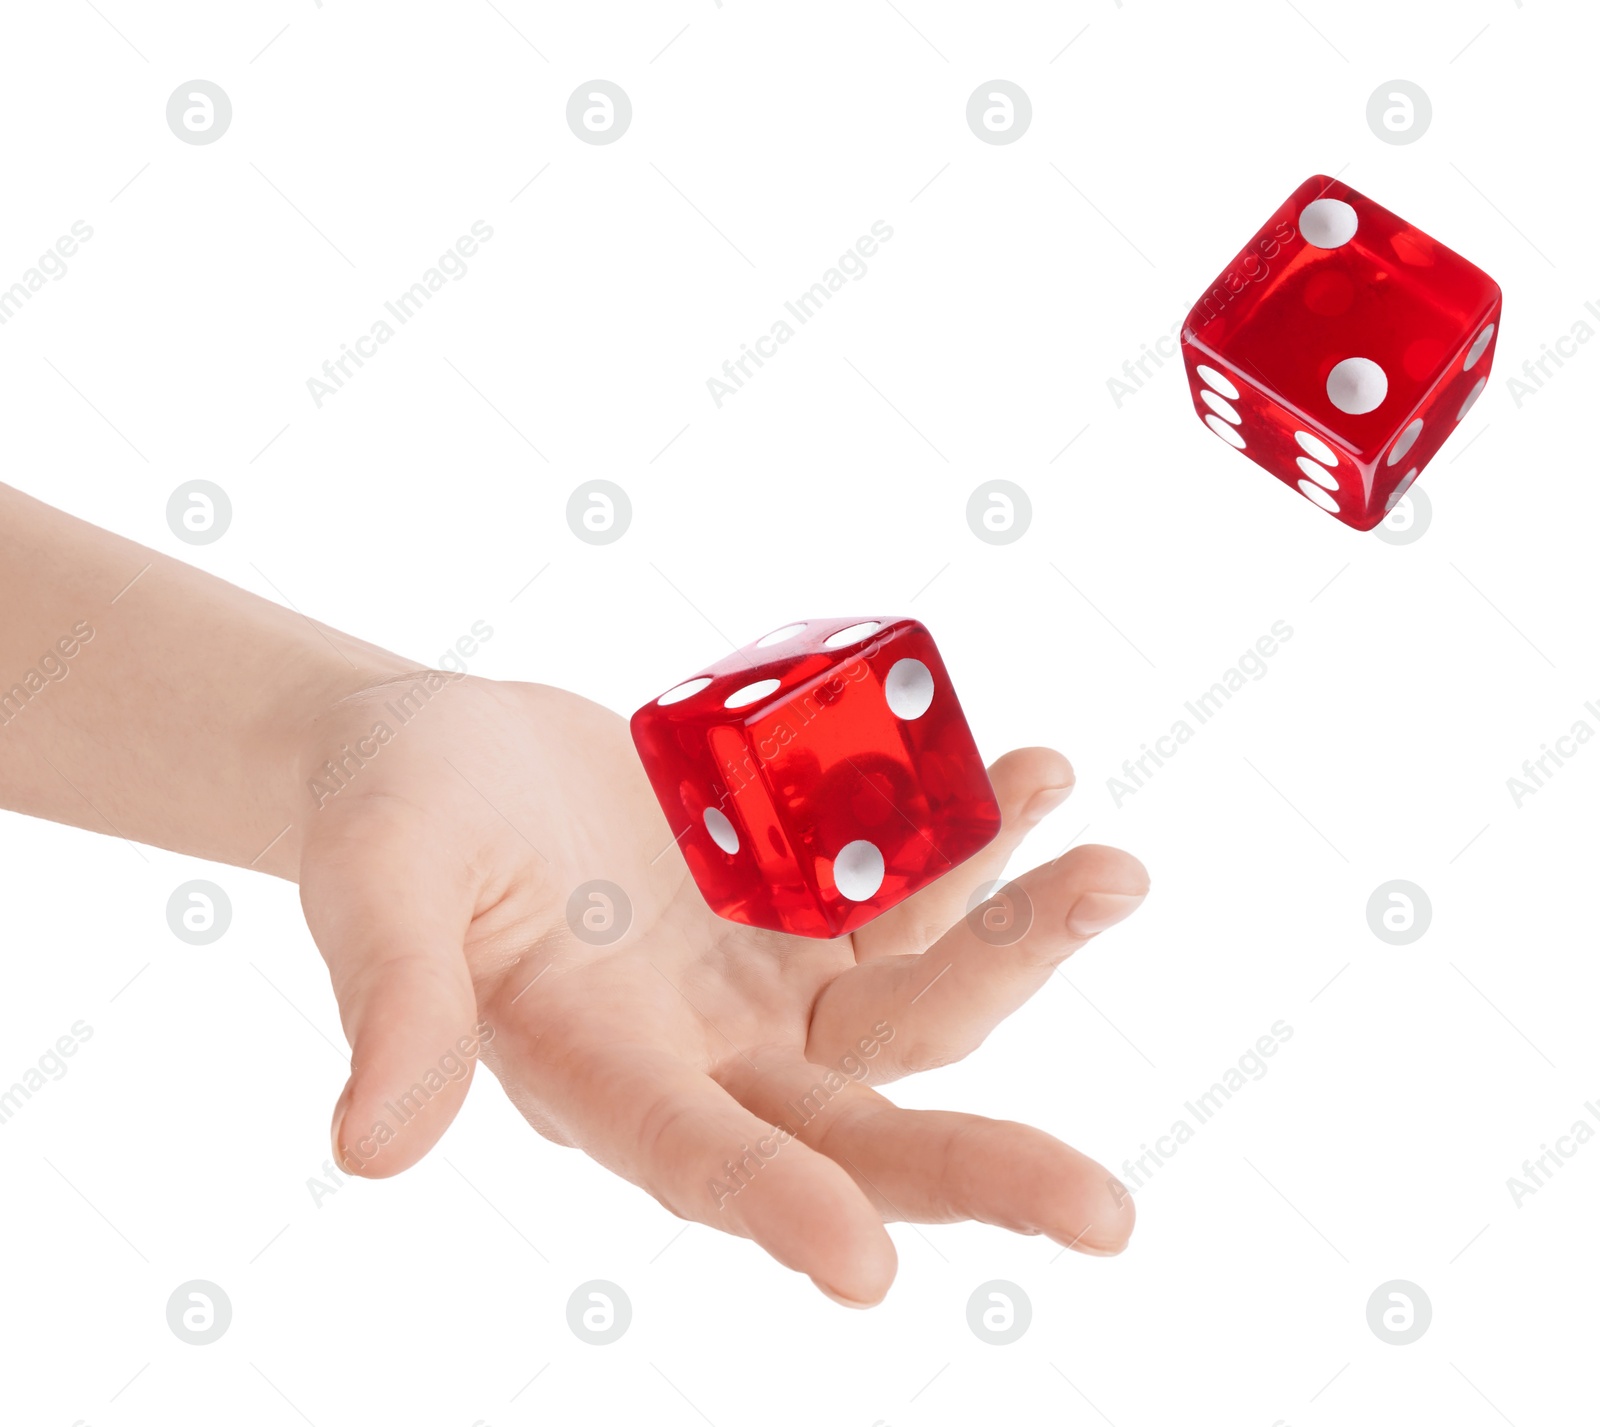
(1044, 802)
(1093, 912)
(340, 1109)
(840, 1298)
(1099, 1251)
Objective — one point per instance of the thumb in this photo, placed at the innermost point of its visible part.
(390, 916)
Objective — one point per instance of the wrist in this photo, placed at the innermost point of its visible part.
(313, 728)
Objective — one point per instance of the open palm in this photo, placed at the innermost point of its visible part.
(726, 1070)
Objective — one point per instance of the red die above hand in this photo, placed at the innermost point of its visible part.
(820, 775)
(1341, 348)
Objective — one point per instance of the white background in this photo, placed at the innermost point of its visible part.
(424, 496)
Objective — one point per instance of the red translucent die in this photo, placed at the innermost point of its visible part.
(820, 775)
(1341, 348)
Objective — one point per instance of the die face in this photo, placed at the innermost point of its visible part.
(1430, 426)
(1275, 438)
(1348, 324)
(843, 779)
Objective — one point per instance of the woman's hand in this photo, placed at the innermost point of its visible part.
(725, 1070)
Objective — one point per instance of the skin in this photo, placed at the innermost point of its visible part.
(435, 882)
